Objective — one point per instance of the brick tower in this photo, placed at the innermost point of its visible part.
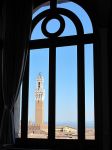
(40, 94)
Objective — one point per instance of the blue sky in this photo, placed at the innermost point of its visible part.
(66, 71)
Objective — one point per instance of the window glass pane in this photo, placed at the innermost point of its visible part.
(66, 93)
(80, 13)
(89, 92)
(37, 33)
(53, 25)
(70, 29)
(38, 94)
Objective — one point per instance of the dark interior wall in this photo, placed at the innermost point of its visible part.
(1, 102)
(104, 17)
(110, 75)
(103, 20)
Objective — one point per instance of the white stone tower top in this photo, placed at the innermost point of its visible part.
(40, 91)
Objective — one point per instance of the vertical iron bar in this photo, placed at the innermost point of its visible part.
(25, 89)
(53, 4)
(52, 70)
(81, 93)
(52, 76)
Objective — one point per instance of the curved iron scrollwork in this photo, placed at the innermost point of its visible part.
(60, 30)
(48, 15)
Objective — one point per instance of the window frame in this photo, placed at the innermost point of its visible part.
(80, 40)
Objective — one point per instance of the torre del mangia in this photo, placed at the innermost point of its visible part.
(39, 103)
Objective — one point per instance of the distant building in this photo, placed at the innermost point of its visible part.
(39, 126)
(69, 129)
(66, 129)
(39, 106)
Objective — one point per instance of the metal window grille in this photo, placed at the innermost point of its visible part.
(52, 41)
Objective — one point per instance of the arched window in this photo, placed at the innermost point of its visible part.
(65, 33)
